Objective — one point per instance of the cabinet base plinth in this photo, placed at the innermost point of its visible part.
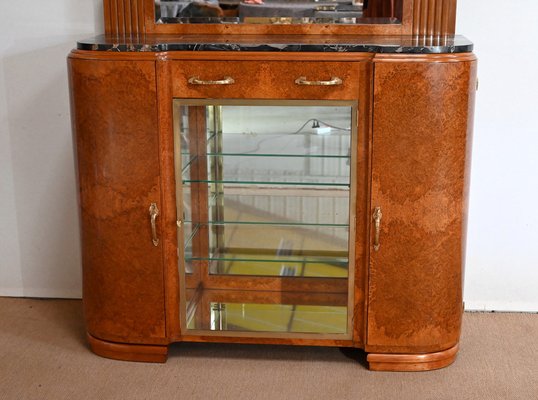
(128, 352)
(412, 362)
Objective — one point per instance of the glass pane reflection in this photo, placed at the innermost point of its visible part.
(266, 189)
(278, 318)
(276, 11)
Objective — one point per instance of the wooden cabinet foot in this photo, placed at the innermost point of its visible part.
(128, 352)
(412, 362)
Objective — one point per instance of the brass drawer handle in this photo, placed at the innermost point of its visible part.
(333, 82)
(377, 220)
(153, 213)
(226, 81)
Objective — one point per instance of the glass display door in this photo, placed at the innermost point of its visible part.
(265, 196)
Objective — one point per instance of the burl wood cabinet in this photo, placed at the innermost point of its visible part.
(314, 195)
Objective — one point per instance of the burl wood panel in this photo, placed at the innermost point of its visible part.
(114, 116)
(265, 79)
(421, 156)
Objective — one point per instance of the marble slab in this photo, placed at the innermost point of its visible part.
(282, 43)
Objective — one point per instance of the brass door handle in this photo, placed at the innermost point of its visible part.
(153, 213)
(333, 82)
(377, 221)
(194, 80)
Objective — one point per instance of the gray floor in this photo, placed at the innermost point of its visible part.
(43, 355)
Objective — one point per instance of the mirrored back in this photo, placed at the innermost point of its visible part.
(278, 12)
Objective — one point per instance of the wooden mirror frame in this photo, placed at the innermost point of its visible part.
(425, 18)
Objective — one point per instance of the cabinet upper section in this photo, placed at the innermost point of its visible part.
(425, 18)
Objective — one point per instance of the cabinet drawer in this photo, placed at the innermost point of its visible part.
(265, 79)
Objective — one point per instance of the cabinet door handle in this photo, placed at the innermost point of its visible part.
(153, 213)
(333, 82)
(377, 221)
(228, 80)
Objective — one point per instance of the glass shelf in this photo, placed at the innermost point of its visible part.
(188, 160)
(275, 223)
(275, 183)
(272, 170)
(289, 266)
(284, 205)
(276, 239)
(333, 144)
(277, 155)
(310, 250)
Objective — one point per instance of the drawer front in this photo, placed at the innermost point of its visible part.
(265, 80)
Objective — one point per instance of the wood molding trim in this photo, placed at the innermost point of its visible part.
(128, 352)
(433, 18)
(221, 56)
(429, 58)
(412, 362)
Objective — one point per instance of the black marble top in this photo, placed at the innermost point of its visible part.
(295, 43)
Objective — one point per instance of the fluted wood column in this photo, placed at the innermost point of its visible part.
(434, 17)
(124, 17)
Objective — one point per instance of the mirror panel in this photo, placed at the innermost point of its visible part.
(278, 12)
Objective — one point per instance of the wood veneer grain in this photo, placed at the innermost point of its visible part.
(169, 216)
(433, 18)
(385, 8)
(128, 352)
(265, 79)
(422, 136)
(114, 114)
(362, 202)
(412, 362)
(415, 145)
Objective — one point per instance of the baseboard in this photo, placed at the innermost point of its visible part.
(40, 293)
(501, 306)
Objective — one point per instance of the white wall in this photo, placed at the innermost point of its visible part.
(502, 245)
(39, 249)
(39, 242)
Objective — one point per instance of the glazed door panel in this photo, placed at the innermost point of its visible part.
(114, 112)
(266, 204)
(422, 114)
